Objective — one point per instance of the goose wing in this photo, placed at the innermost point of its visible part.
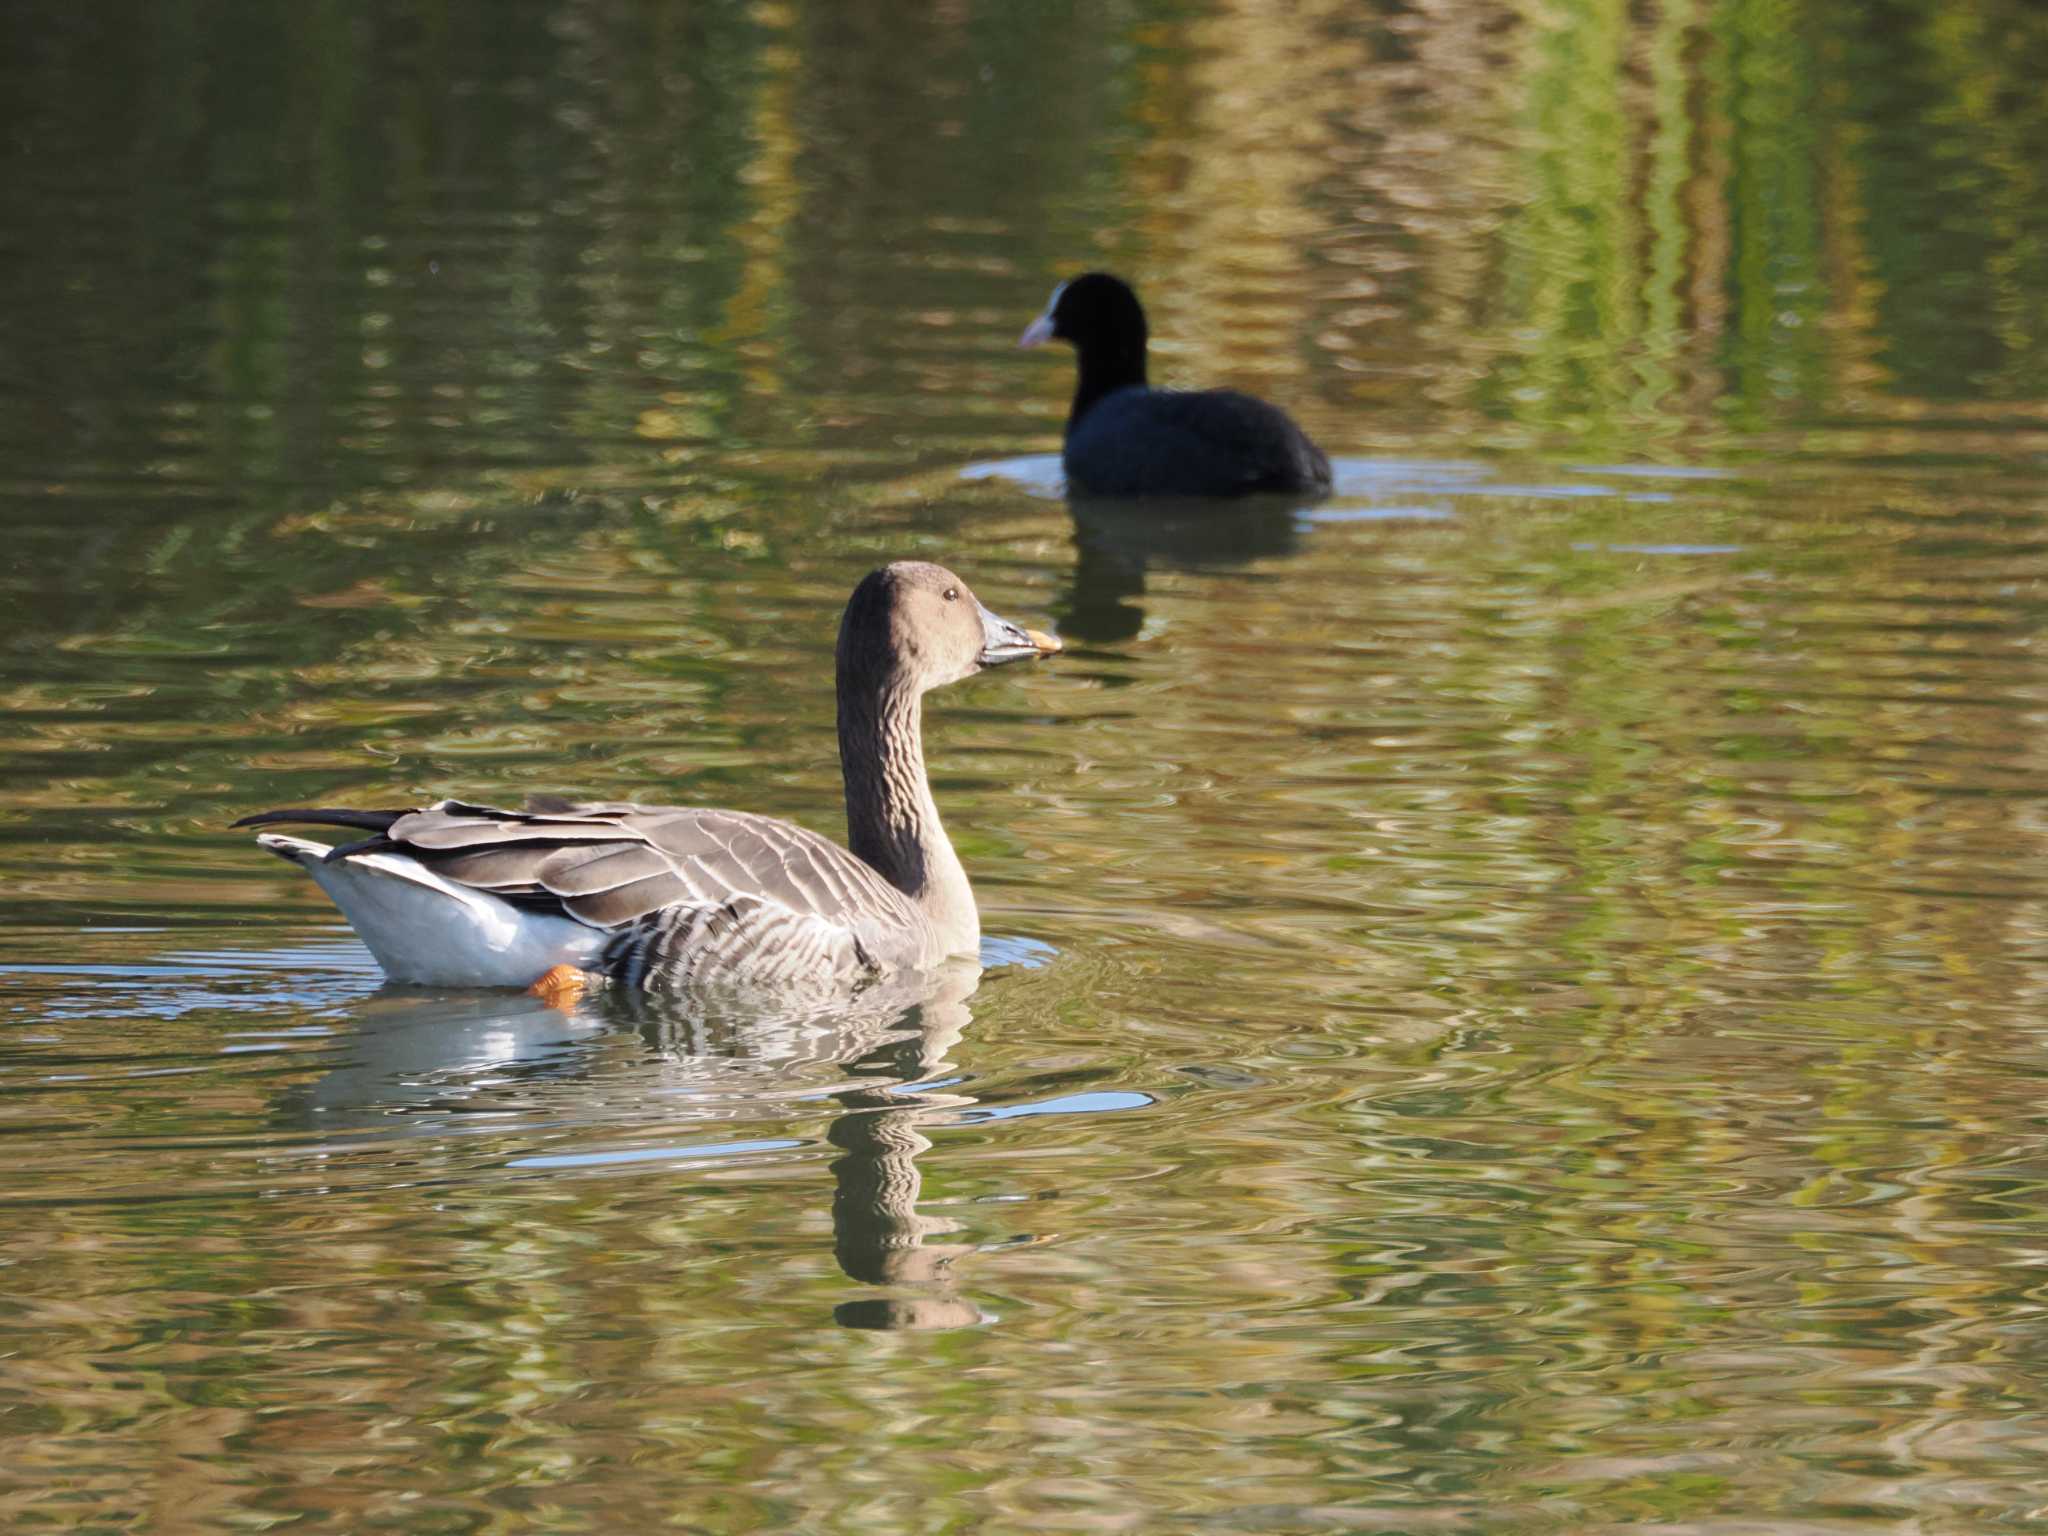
(688, 891)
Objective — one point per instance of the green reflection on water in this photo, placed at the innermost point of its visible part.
(1513, 1002)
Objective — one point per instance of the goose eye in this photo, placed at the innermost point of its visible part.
(952, 593)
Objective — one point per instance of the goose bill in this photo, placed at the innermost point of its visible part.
(1002, 641)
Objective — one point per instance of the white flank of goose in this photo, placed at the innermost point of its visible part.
(661, 897)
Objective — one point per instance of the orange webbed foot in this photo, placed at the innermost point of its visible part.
(560, 986)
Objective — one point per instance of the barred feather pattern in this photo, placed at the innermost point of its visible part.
(742, 942)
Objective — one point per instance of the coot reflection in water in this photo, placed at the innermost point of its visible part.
(1118, 539)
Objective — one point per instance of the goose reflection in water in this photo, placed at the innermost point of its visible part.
(424, 1063)
(878, 1234)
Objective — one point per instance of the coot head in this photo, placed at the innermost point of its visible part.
(1101, 317)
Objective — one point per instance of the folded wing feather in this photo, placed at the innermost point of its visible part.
(617, 865)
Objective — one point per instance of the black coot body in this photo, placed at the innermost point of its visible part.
(1125, 438)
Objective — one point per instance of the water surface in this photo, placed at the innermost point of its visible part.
(1512, 997)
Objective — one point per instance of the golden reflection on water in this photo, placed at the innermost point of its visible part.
(1513, 995)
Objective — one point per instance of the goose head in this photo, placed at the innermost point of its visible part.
(912, 626)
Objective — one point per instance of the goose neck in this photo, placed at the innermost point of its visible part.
(892, 822)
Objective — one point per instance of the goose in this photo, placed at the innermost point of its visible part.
(1124, 438)
(654, 897)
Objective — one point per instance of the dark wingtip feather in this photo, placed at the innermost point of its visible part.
(367, 821)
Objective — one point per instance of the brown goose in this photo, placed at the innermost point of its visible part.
(666, 896)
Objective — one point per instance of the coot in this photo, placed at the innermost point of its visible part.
(1125, 438)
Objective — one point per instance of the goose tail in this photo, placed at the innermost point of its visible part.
(425, 929)
(330, 816)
